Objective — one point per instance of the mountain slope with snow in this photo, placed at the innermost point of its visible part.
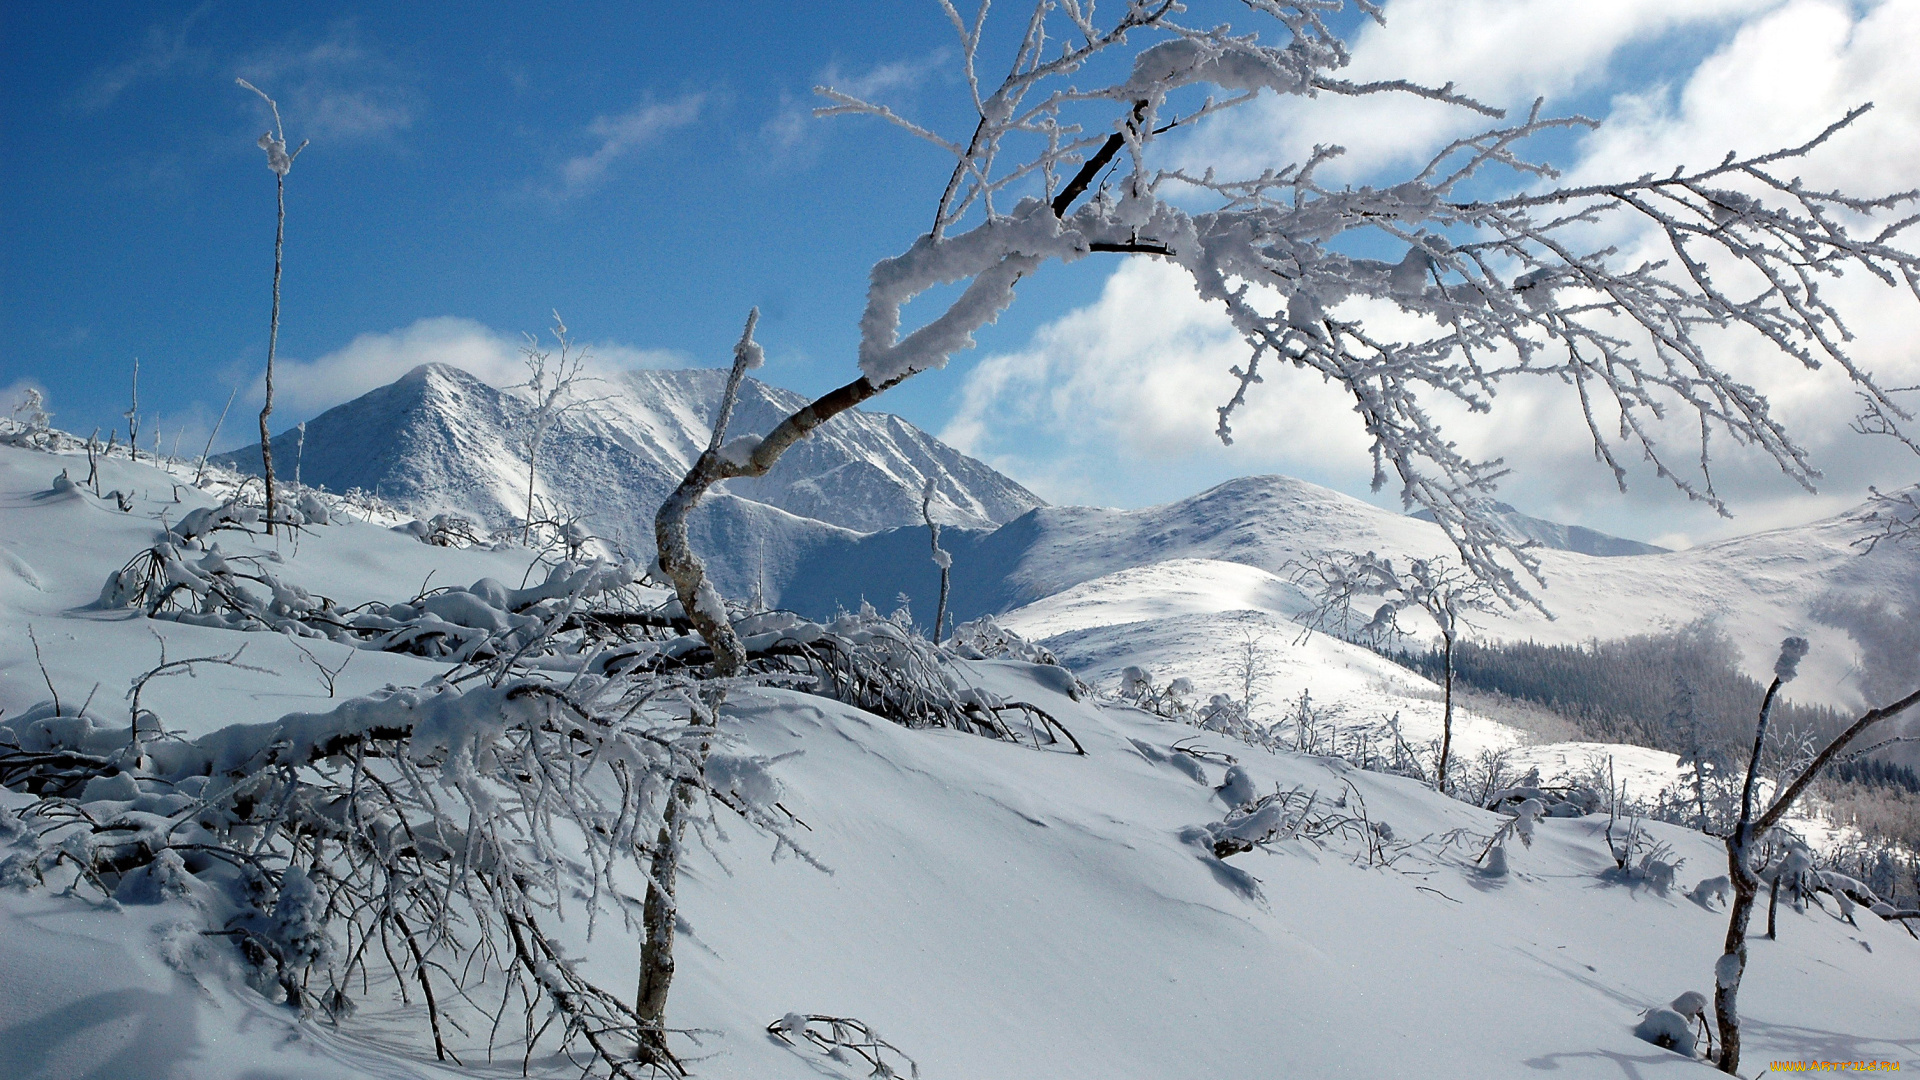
(440, 438)
(993, 909)
(1758, 588)
(1553, 534)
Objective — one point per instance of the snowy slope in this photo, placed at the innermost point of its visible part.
(1553, 534)
(1759, 588)
(439, 438)
(992, 909)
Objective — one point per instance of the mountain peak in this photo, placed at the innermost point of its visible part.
(439, 437)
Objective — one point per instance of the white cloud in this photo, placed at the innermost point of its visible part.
(884, 80)
(621, 135)
(305, 388)
(1138, 376)
(1505, 53)
(1778, 82)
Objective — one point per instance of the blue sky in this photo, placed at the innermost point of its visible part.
(652, 171)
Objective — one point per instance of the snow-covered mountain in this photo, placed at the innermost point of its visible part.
(1103, 564)
(440, 438)
(1564, 537)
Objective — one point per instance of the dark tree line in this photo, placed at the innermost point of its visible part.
(1680, 691)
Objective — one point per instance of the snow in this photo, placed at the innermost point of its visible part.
(993, 909)
(1759, 589)
(439, 438)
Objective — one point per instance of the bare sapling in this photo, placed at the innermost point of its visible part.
(1750, 828)
(550, 382)
(1446, 592)
(280, 163)
(1060, 160)
(941, 557)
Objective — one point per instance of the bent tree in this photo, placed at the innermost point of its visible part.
(1066, 158)
(1732, 965)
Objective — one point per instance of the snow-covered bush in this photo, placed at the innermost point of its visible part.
(188, 578)
(845, 1041)
(407, 840)
(29, 424)
(1667, 1029)
(985, 639)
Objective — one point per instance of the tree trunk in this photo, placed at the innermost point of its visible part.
(677, 559)
(656, 953)
(1773, 905)
(273, 342)
(1726, 983)
(533, 465)
(1446, 716)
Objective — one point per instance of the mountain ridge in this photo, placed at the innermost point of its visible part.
(441, 438)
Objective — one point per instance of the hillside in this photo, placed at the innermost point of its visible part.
(993, 909)
(1126, 564)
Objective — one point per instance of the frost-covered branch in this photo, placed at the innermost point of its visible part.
(1063, 160)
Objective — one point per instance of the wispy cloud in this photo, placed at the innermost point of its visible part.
(793, 122)
(163, 49)
(620, 136)
(336, 88)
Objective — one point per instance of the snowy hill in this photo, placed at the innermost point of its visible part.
(1553, 534)
(992, 908)
(1759, 588)
(440, 438)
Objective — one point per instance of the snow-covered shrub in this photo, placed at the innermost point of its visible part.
(1279, 816)
(985, 639)
(28, 425)
(1667, 1029)
(1560, 797)
(1710, 889)
(426, 818)
(445, 530)
(845, 1041)
(188, 578)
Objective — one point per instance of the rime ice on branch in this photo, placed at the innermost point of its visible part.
(1063, 161)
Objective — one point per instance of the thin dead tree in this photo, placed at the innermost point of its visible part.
(280, 163)
(941, 557)
(1061, 162)
(133, 416)
(200, 471)
(1751, 828)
